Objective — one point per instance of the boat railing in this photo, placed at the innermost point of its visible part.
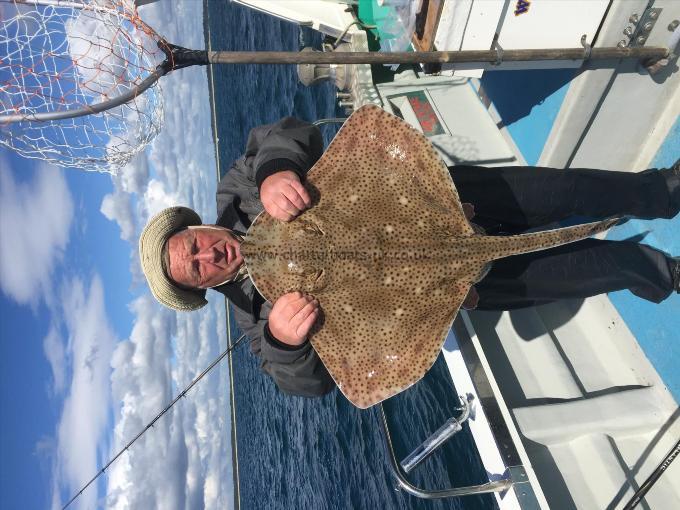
(336, 120)
(426, 449)
(514, 474)
(451, 427)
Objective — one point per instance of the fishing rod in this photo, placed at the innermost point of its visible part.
(158, 416)
(652, 479)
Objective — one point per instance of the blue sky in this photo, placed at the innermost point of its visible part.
(86, 252)
(88, 356)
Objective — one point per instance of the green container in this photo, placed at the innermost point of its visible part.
(382, 16)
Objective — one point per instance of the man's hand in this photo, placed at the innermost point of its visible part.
(283, 195)
(292, 317)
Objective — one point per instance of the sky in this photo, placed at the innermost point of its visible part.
(87, 356)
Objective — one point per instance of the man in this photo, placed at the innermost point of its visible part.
(181, 258)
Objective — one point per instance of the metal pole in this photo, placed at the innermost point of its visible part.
(48, 3)
(178, 57)
(89, 109)
(433, 57)
(497, 486)
(439, 437)
(649, 482)
(67, 4)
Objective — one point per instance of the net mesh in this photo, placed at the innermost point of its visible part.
(58, 56)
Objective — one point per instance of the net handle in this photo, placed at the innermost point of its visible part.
(72, 4)
(179, 57)
(439, 57)
(145, 84)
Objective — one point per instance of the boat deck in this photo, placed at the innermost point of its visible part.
(592, 386)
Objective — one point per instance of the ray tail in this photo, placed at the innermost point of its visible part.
(505, 246)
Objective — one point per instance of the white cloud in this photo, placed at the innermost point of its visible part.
(82, 437)
(132, 178)
(35, 219)
(117, 206)
(183, 462)
(53, 347)
(157, 197)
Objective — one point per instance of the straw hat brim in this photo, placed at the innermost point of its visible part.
(154, 236)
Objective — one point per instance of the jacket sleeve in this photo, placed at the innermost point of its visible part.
(289, 144)
(297, 372)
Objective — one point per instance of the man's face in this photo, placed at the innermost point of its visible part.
(203, 257)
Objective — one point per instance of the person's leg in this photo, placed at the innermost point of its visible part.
(516, 198)
(575, 271)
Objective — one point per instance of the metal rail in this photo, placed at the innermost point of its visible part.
(178, 57)
(335, 120)
(91, 109)
(439, 437)
(498, 486)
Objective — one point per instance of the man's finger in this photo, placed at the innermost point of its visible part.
(293, 195)
(291, 296)
(302, 302)
(297, 304)
(282, 201)
(285, 204)
(303, 313)
(302, 191)
(281, 214)
(303, 329)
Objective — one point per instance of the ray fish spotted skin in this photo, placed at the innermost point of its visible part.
(387, 251)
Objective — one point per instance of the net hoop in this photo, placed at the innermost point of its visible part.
(78, 82)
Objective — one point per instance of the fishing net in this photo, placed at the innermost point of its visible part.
(68, 58)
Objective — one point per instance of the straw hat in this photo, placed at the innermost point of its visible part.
(159, 229)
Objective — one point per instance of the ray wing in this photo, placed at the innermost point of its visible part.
(376, 345)
(378, 164)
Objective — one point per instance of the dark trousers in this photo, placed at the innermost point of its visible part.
(511, 200)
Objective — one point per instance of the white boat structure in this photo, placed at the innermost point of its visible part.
(568, 409)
